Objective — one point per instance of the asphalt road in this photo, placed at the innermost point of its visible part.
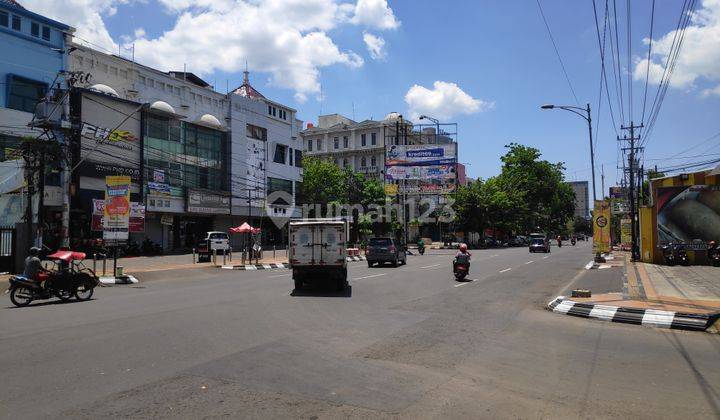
(406, 342)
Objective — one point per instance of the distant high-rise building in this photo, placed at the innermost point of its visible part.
(582, 198)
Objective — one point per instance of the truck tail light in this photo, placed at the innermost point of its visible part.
(392, 248)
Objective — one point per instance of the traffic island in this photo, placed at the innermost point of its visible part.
(686, 298)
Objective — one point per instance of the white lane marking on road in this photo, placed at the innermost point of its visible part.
(546, 257)
(507, 269)
(279, 275)
(589, 265)
(463, 284)
(431, 266)
(529, 262)
(371, 276)
(496, 255)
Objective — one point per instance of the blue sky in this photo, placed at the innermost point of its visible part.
(497, 52)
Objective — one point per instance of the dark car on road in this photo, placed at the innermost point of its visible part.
(539, 245)
(382, 250)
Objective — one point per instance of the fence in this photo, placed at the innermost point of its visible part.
(7, 248)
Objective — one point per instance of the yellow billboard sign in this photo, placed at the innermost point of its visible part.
(601, 227)
(391, 189)
(116, 223)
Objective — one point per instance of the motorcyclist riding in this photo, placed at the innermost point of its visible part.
(559, 241)
(462, 257)
(421, 245)
(33, 265)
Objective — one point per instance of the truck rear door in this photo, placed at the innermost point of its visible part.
(302, 240)
(332, 244)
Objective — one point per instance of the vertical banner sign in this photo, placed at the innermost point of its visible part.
(116, 220)
(626, 232)
(601, 227)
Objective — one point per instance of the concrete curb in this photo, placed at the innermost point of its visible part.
(118, 280)
(274, 265)
(649, 317)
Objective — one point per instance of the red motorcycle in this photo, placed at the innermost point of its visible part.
(69, 279)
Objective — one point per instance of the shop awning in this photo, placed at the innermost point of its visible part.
(244, 228)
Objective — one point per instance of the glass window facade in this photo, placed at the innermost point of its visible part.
(24, 94)
(191, 156)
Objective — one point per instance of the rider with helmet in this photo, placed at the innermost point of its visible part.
(462, 256)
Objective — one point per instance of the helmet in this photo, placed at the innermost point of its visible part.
(34, 250)
(463, 247)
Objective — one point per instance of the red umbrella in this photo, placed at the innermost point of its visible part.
(244, 228)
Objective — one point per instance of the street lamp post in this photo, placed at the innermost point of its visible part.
(586, 117)
(437, 127)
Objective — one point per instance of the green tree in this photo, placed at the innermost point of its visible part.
(323, 182)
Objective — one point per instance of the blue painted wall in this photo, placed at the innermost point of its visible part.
(28, 56)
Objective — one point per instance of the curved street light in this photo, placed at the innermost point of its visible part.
(586, 116)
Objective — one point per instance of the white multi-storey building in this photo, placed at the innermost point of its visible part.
(359, 146)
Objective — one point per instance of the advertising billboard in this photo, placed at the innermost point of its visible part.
(438, 172)
(601, 227)
(116, 220)
(104, 139)
(136, 222)
(200, 201)
(626, 231)
(427, 188)
(421, 155)
(687, 213)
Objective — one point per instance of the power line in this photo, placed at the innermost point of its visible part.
(557, 52)
(618, 75)
(603, 73)
(647, 71)
(629, 61)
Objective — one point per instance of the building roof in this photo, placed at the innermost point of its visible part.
(190, 77)
(11, 3)
(246, 89)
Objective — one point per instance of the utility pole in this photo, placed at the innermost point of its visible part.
(632, 171)
(602, 181)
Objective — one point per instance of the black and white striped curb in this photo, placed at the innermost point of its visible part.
(650, 317)
(118, 280)
(356, 258)
(255, 266)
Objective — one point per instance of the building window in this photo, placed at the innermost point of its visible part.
(141, 79)
(373, 139)
(163, 128)
(290, 156)
(279, 184)
(46, 33)
(345, 142)
(309, 147)
(114, 72)
(24, 94)
(363, 162)
(280, 152)
(345, 163)
(336, 142)
(16, 23)
(4, 19)
(256, 132)
(150, 82)
(319, 144)
(373, 161)
(269, 110)
(363, 140)
(298, 158)
(124, 74)
(35, 29)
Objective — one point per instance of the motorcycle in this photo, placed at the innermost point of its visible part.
(681, 255)
(573, 241)
(421, 250)
(460, 270)
(72, 279)
(559, 243)
(714, 254)
(674, 254)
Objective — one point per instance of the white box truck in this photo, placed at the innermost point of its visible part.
(318, 251)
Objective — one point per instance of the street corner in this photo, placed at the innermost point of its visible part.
(608, 308)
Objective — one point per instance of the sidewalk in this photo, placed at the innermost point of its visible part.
(672, 297)
(133, 265)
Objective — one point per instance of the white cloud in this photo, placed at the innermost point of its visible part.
(289, 39)
(84, 15)
(375, 13)
(711, 91)
(445, 100)
(699, 58)
(375, 46)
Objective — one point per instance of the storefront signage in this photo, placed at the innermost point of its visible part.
(136, 223)
(100, 170)
(428, 189)
(200, 201)
(167, 219)
(159, 175)
(391, 189)
(116, 220)
(601, 227)
(438, 172)
(421, 155)
(159, 188)
(110, 131)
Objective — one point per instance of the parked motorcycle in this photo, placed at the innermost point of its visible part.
(674, 254)
(713, 253)
(70, 279)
